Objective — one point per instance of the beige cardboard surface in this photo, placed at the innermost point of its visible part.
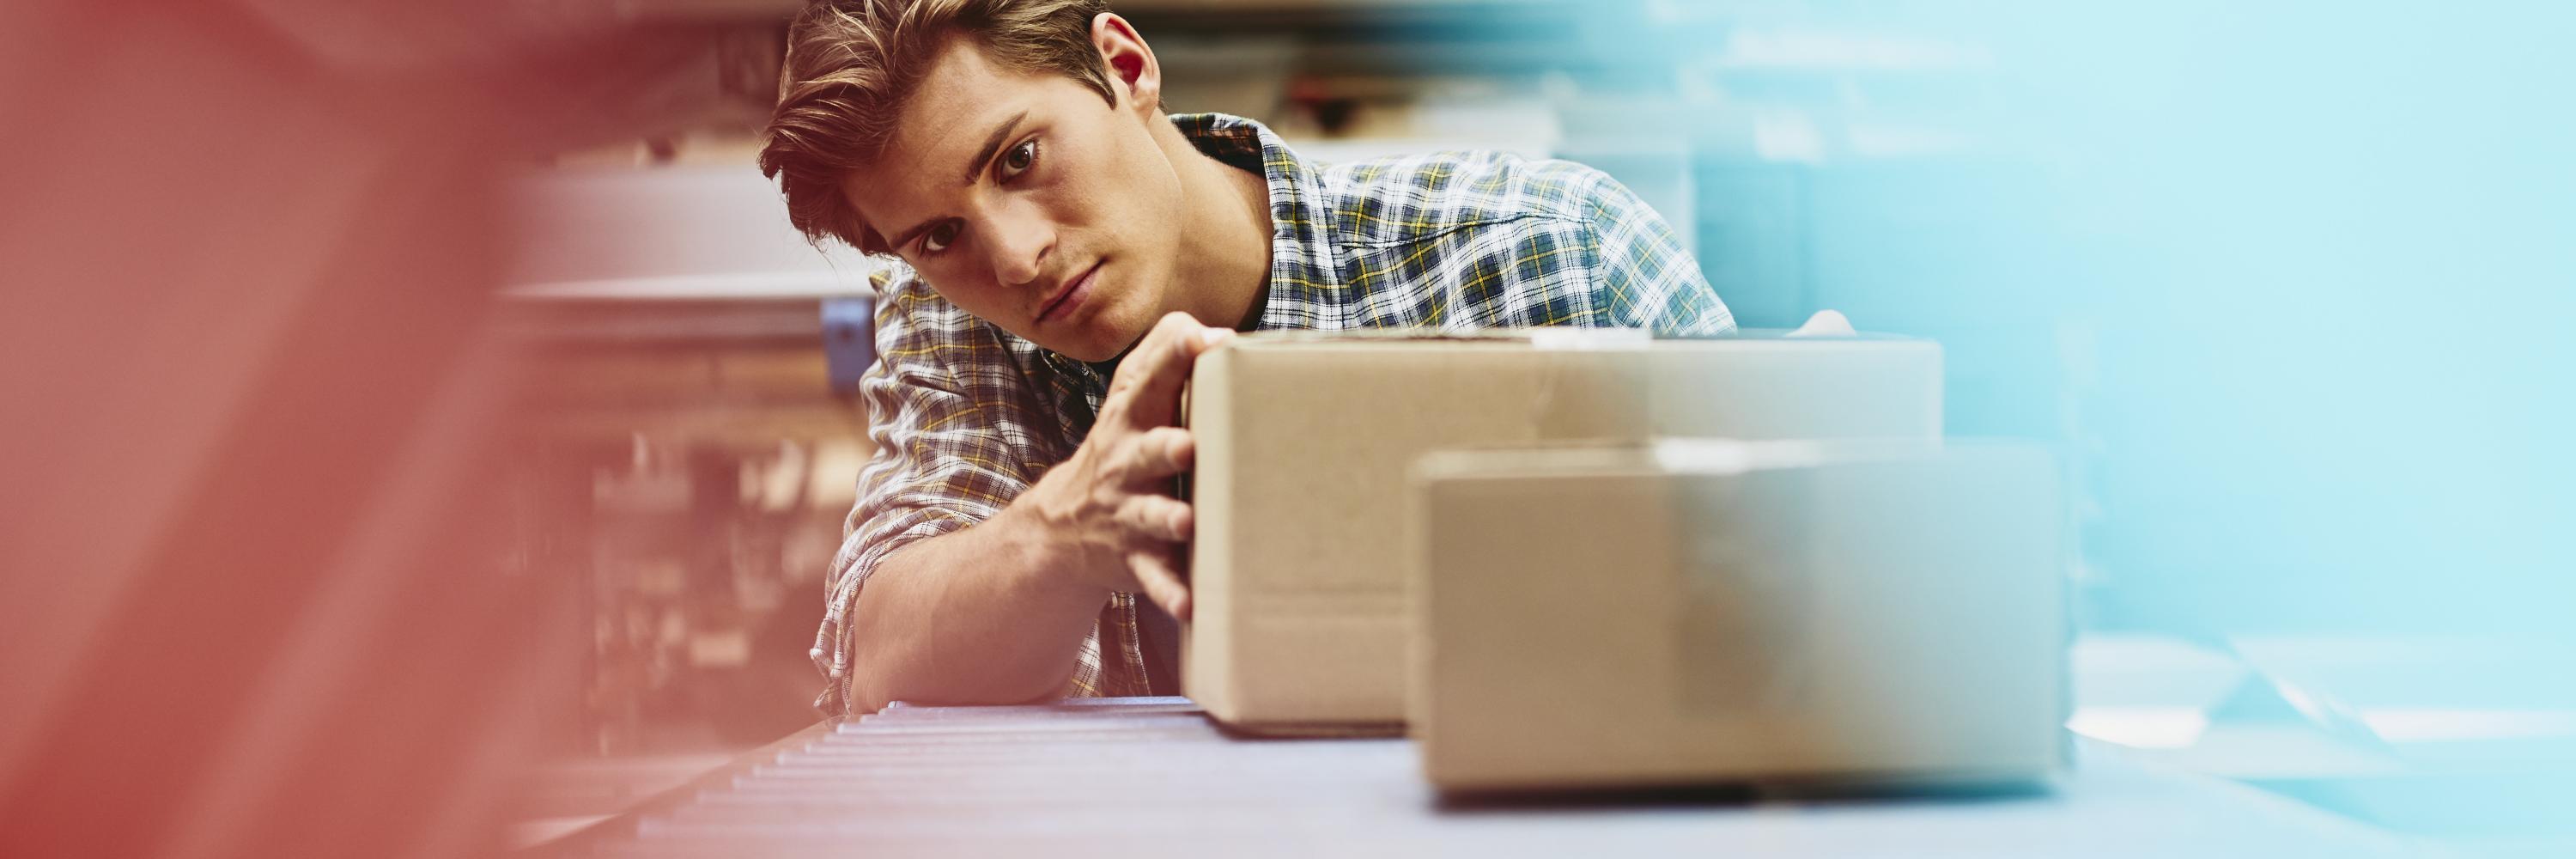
(1304, 441)
(1718, 612)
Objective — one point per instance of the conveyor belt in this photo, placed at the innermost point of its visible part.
(1152, 777)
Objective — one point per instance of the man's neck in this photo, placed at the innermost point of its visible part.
(1224, 269)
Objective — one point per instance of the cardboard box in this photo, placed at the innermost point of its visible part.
(1304, 439)
(1720, 611)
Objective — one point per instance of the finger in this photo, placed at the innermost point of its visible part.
(1157, 364)
(1161, 581)
(1157, 453)
(1159, 516)
(1153, 375)
(1150, 351)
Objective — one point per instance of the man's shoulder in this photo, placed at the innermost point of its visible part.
(917, 327)
(905, 300)
(1395, 200)
(908, 307)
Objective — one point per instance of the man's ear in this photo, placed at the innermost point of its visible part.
(1132, 69)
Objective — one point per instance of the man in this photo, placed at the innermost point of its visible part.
(1063, 251)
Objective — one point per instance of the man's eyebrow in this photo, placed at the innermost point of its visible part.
(992, 146)
(905, 238)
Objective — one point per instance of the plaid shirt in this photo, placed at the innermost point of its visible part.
(965, 416)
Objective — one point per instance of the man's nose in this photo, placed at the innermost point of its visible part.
(1020, 240)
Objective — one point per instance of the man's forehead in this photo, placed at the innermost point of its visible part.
(936, 133)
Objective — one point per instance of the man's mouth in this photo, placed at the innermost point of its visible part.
(1070, 297)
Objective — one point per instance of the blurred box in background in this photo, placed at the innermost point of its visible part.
(1702, 611)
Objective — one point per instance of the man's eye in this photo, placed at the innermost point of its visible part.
(1018, 160)
(936, 239)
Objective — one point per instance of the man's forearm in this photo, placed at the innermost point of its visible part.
(980, 616)
(996, 613)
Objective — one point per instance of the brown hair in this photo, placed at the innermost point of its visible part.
(851, 63)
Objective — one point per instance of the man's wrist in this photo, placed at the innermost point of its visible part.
(1055, 556)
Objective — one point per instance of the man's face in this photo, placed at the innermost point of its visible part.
(1027, 200)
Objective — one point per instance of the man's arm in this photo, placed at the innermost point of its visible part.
(1647, 279)
(996, 613)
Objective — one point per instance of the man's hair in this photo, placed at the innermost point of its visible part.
(852, 63)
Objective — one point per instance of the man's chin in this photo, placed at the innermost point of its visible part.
(1102, 341)
(1107, 333)
(1087, 347)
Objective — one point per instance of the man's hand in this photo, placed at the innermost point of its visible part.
(1111, 504)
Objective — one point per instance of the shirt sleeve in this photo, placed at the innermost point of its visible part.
(951, 418)
(1647, 279)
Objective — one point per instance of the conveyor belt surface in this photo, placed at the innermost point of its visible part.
(1152, 777)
